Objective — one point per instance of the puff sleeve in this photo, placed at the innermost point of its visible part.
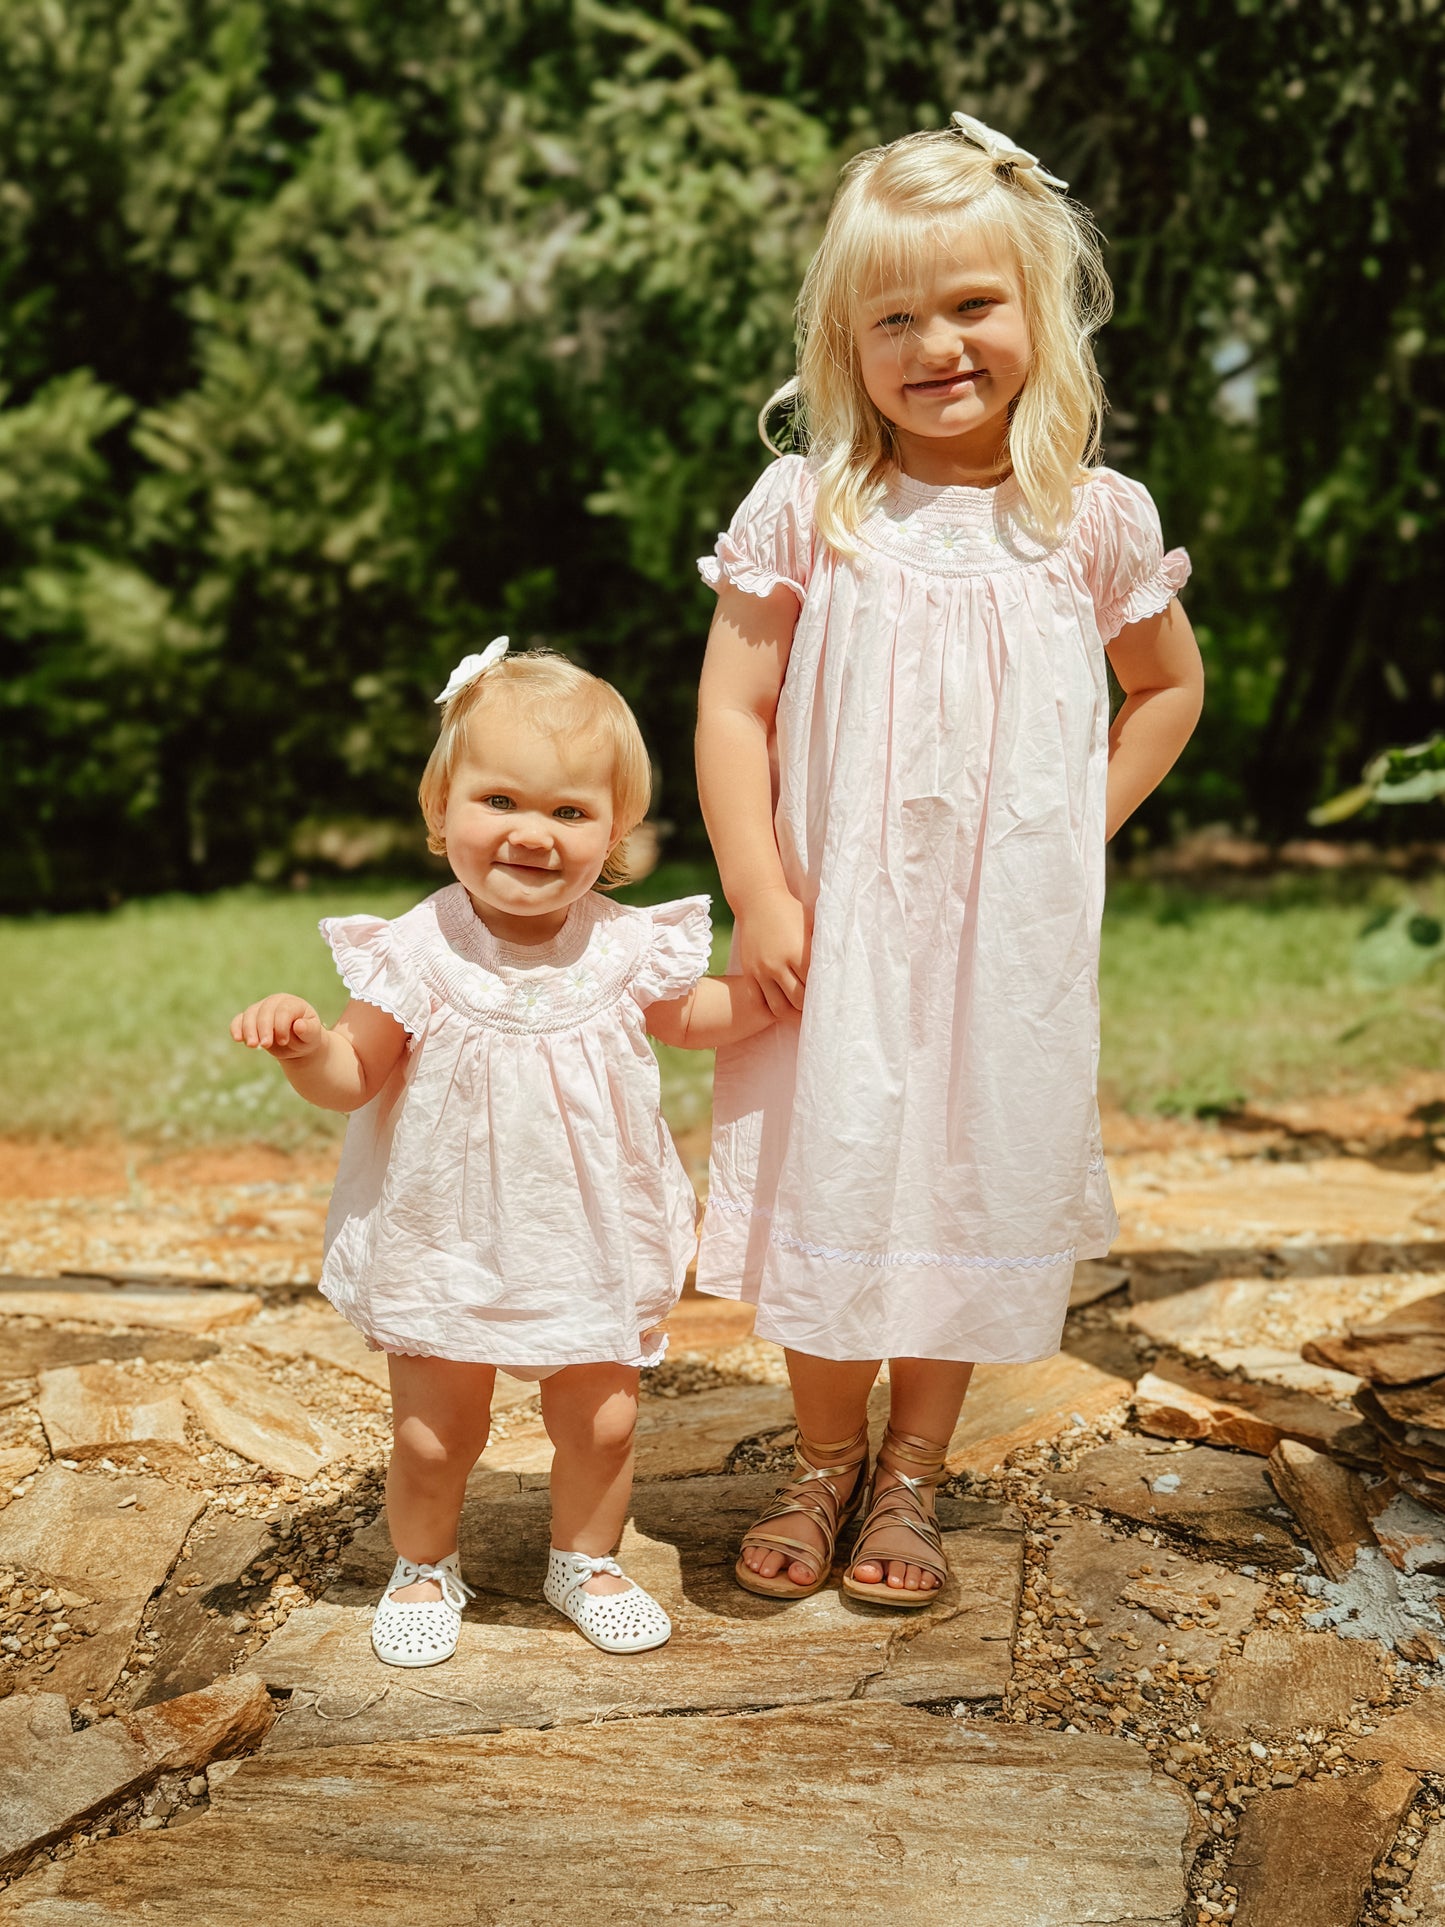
(769, 542)
(375, 968)
(1129, 574)
(677, 953)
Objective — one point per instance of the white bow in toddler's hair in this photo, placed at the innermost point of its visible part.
(470, 667)
(1001, 150)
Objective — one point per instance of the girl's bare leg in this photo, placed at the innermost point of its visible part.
(590, 1412)
(926, 1396)
(440, 1417)
(830, 1402)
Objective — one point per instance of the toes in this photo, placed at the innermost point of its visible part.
(868, 1573)
(802, 1575)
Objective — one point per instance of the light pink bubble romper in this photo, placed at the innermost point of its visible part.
(512, 1196)
(913, 1171)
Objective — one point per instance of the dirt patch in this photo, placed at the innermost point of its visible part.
(111, 1167)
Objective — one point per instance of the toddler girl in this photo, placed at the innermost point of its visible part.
(908, 773)
(509, 1198)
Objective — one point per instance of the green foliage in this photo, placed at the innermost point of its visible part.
(336, 336)
(1415, 775)
(1397, 946)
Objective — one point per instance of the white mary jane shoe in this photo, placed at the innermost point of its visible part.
(420, 1632)
(617, 1622)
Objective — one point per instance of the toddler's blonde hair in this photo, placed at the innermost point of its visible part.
(553, 695)
(896, 209)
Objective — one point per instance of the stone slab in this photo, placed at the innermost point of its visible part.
(90, 1411)
(1329, 1502)
(17, 1462)
(677, 1438)
(1174, 1402)
(1329, 1201)
(27, 1350)
(1402, 1348)
(519, 1663)
(1415, 1405)
(1286, 1680)
(72, 1530)
(1009, 1407)
(1306, 1854)
(823, 1813)
(1222, 1500)
(249, 1415)
(1127, 1585)
(1411, 1535)
(192, 1619)
(52, 1779)
(1413, 1737)
(122, 1306)
(1095, 1278)
(1261, 1324)
(1427, 1888)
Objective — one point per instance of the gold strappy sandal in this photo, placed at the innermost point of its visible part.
(899, 1523)
(809, 1496)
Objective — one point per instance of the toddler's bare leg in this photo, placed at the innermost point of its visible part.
(830, 1401)
(925, 1398)
(440, 1416)
(590, 1412)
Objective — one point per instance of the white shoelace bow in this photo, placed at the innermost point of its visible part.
(583, 1568)
(455, 1590)
(470, 667)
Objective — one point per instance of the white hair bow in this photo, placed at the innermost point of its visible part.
(470, 667)
(1001, 150)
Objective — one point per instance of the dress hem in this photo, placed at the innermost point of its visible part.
(396, 1346)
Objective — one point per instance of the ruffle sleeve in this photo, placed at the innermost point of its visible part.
(1129, 574)
(769, 543)
(375, 968)
(678, 952)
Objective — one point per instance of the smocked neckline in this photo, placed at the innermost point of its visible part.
(466, 931)
(908, 489)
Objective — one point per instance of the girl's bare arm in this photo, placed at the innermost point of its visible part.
(742, 675)
(1159, 669)
(339, 1069)
(716, 1011)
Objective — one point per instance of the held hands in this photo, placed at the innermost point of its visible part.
(773, 946)
(285, 1026)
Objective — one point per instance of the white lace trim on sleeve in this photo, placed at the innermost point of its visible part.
(1149, 597)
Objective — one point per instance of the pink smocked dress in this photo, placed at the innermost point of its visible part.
(913, 1170)
(512, 1195)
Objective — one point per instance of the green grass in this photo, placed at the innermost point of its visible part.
(1208, 999)
(118, 1023)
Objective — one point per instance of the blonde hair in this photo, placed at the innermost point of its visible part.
(896, 208)
(556, 696)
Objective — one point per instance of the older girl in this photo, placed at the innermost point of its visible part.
(908, 773)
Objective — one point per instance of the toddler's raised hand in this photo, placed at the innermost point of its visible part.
(285, 1026)
(773, 945)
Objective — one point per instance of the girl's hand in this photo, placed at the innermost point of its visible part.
(773, 946)
(285, 1026)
